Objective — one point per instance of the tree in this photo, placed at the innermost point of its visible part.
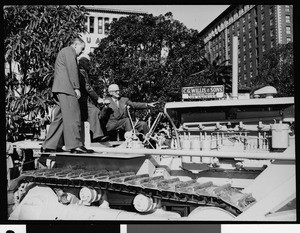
(216, 73)
(277, 69)
(33, 35)
(149, 57)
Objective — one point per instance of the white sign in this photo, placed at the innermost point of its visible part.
(203, 92)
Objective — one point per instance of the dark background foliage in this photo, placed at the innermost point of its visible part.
(33, 35)
(131, 57)
(277, 69)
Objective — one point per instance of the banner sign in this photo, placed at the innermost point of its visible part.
(203, 92)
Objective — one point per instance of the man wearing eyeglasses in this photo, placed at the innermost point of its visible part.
(119, 118)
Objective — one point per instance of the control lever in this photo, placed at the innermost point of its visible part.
(151, 131)
(131, 121)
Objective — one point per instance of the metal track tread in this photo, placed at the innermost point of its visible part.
(182, 192)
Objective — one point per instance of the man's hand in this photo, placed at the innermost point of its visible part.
(152, 104)
(100, 101)
(106, 102)
(77, 93)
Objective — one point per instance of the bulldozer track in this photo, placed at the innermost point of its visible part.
(172, 190)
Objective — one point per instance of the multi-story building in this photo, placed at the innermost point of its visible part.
(258, 28)
(97, 21)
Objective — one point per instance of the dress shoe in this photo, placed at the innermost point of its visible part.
(47, 150)
(60, 150)
(104, 139)
(101, 139)
(81, 150)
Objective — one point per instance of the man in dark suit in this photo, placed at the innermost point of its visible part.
(119, 118)
(66, 125)
(89, 98)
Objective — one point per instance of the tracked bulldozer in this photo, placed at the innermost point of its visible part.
(229, 158)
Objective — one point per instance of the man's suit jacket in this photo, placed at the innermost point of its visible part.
(66, 77)
(86, 89)
(120, 112)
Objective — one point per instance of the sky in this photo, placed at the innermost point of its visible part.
(192, 16)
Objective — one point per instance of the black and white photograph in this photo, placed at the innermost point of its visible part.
(149, 113)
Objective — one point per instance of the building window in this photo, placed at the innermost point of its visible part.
(250, 64)
(255, 22)
(287, 8)
(251, 74)
(262, 7)
(244, 29)
(256, 31)
(249, 16)
(287, 18)
(238, 32)
(256, 41)
(288, 39)
(263, 37)
(115, 19)
(239, 60)
(288, 30)
(272, 32)
(92, 24)
(272, 43)
(237, 23)
(239, 51)
(243, 19)
(100, 25)
(244, 57)
(245, 76)
(264, 48)
(271, 10)
(271, 22)
(262, 26)
(235, 15)
(250, 34)
(250, 54)
(257, 52)
(106, 25)
(250, 44)
(255, 12)
(249, 25)
(239, 69)
(241, 11)
(244, 48)
(262, 16)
